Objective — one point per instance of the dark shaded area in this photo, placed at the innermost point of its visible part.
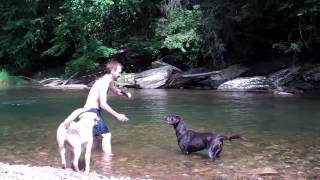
(81, 36)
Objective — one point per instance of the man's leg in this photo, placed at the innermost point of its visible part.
(106, 143)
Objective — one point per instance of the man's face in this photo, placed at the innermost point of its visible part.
(116, 73)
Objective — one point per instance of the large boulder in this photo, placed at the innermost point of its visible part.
(231, 72)
(126, 80)
(308, 78)
(258, 83)
(311, 73)
(284, 76)
(203, 78)
(157, 64)
(153, 78)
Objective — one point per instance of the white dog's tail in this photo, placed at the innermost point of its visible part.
(73, 116)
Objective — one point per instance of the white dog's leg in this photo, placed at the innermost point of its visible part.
(76, 156)
(88, 156)
(69, 158)
(62, 152)
(106, 143)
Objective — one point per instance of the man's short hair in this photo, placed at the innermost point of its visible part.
(112, 66)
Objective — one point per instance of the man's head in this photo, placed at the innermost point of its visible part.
(114, 68)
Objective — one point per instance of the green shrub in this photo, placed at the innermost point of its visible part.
(4, 76)
(179, 31)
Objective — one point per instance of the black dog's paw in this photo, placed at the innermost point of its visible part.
(210, 161)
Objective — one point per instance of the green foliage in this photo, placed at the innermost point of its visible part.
(212, 47)
(80, 64)
(294, 22)
(294, 48)
(84, 59)
(130, 26)
(79, 23)
(4, 76)
(178, 30)
(21, 34)
(7, 80)
(80, 34)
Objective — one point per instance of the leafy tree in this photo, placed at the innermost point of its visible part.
(178, 30)
(78, 26)
(23, 33)
(81, 34)
(290, 26)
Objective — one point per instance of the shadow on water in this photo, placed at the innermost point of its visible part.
(281, 133)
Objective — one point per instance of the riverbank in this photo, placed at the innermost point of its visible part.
(17, 172)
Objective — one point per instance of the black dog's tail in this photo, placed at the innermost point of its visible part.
(230, 138)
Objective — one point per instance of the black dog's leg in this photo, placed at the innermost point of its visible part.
(220, 148)
(218, 152)
(214, 149)
(211, 156)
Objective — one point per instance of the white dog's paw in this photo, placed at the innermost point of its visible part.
(86, 172)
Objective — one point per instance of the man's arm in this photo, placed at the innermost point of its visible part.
(119, 92)
(104, 106)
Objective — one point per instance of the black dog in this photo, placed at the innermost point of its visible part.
(190, 141)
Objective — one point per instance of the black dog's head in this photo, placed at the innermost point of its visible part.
(173, 119)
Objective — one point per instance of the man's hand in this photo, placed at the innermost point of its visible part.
(122, 118)
(127, 94)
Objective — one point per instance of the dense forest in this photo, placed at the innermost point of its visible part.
(79, 35)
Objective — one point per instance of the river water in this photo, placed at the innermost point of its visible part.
(280, 133)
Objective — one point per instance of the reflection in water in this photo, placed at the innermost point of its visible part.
(155, 102)
(17, 103)
(281, 133)
(106, 163)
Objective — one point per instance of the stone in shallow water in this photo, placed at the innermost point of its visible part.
(258, 158)
(266, 171)
(246, 144)
(123, 159)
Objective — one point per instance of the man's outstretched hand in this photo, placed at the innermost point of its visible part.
(127, 94)
(122, 118)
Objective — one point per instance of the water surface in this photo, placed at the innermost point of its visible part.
(280, 132)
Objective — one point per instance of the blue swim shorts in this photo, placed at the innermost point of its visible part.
(101, 127)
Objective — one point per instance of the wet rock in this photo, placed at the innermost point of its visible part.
(284, 76)
(311, 73)
(231, 72)
(67, 86)
(203, 79)
(258, 83)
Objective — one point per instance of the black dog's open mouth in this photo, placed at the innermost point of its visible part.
(171, 119)
(165, 120)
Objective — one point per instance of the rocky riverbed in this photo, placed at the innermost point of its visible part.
(17, 172)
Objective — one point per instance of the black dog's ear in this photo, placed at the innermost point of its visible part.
(178, 117)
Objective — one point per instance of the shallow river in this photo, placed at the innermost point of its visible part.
(281, 133)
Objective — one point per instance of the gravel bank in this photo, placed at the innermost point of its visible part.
(23, 172)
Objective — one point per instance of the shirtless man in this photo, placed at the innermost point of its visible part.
(97, 100)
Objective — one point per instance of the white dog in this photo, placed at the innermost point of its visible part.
(73, 137)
